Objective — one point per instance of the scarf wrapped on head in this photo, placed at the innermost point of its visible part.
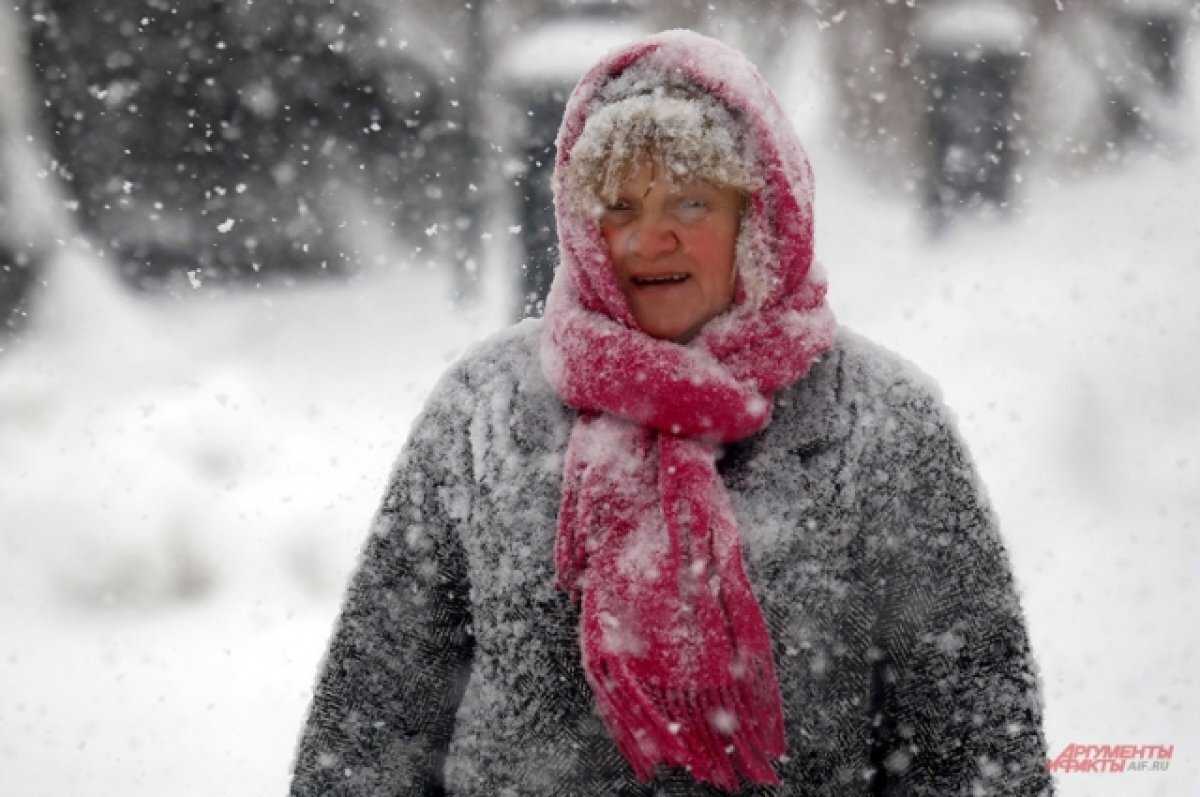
(673, 641)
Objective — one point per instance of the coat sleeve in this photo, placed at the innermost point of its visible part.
(955, 690)
(385, 702)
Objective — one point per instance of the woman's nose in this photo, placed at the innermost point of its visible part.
(652, 238)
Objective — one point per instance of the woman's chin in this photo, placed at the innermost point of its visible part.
(680, 328)
(679, 333)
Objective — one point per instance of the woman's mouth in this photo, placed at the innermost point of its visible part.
(657, 280)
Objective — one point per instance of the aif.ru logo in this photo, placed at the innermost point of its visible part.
(1112, 758)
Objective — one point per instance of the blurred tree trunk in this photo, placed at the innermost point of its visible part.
(30, 217)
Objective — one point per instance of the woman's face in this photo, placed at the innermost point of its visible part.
(672, 250)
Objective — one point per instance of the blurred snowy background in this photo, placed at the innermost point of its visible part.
(239, 242)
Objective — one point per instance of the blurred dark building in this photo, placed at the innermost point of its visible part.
(970, 53)
(232, 140)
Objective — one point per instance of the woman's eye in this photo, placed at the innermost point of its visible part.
(691, 209)
(617, 212)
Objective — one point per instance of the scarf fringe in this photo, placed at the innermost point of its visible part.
(653, 726)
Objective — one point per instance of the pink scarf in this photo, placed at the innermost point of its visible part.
(673, 641)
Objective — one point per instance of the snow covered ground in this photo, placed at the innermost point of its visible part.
(184, 481)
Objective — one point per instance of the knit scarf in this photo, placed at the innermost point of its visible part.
(674, 644)
(673, 641)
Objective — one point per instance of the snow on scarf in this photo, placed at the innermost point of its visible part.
(673, 641)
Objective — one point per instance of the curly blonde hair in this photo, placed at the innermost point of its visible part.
(644, 115)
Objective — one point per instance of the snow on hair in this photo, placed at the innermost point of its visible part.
(657, 115)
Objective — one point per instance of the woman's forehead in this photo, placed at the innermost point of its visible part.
(647, 173)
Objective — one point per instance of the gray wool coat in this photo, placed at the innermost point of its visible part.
(899, 641)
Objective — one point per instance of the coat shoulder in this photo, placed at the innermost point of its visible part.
(504, 363)
(874, 370)
(884, 385)
(511, 354)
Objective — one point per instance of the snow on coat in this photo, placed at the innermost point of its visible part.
(902, 656)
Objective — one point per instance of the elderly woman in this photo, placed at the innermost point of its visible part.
(684, 536)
